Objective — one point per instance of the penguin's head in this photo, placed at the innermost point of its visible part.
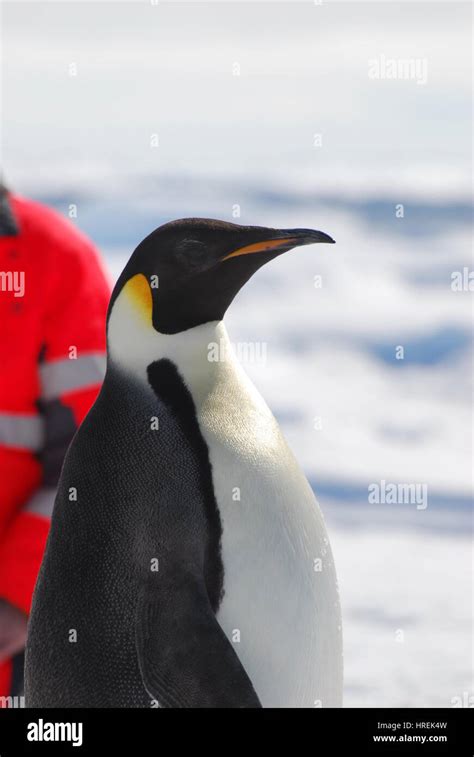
(187, 272)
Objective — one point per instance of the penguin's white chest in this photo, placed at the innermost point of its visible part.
(280, 608)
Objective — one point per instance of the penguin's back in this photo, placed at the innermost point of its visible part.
(134, 489)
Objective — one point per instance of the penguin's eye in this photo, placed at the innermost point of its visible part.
(192, 254)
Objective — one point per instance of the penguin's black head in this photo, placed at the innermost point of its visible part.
(196, 266)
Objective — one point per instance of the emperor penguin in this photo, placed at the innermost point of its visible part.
(188, 563)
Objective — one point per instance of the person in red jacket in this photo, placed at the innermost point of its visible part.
(53, 301)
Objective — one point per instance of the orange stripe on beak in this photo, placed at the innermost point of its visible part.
(270, 244)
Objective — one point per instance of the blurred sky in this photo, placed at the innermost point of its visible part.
(248, 140)
(168, 68)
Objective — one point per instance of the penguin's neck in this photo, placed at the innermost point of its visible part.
(198, 353)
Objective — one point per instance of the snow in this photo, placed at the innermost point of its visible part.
(407, 616)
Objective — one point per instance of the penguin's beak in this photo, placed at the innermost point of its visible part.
(282, 240)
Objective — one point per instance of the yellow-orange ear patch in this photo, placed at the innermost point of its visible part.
(138, 292)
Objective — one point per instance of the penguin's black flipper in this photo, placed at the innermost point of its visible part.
(185, 658)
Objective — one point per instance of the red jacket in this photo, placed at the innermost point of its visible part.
(53, 301)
